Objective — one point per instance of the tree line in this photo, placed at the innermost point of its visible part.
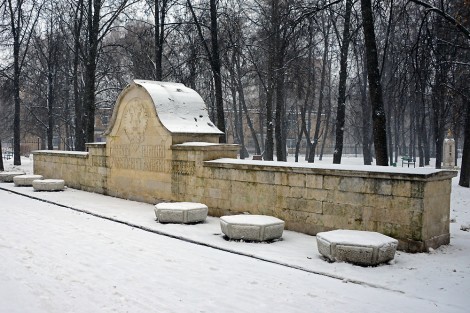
(390, 76)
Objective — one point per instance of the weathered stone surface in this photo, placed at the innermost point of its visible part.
(357, 247)
(252, 227)
(7, 177)
(26, 180)
(181, 212)
(49, 185)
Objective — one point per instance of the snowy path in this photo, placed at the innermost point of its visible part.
(58, 260)
(440, 276)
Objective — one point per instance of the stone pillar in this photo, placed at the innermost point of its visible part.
(449, 151)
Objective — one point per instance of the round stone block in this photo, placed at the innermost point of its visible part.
(357, 247)
(7, 177)
(25, 180)
(181, 212)
(49, 185)
(252, 227)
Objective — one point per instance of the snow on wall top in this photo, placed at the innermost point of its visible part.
(179, 108)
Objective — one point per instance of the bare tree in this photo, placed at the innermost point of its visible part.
(23, 16)
(214, 60)
(159, 13)
(375, 87)
(341, 109)
(100, 18)
(324, 73)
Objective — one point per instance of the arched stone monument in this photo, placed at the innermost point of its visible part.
(150, 117)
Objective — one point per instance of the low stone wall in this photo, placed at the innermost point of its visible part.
(81, 170)
(411, 206)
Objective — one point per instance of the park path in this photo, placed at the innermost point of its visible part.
(58, 260)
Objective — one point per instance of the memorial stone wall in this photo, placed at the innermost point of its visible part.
(161, 145)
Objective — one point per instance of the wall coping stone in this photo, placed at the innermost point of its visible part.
(205, 146)
(76, 154)
(96, 144)
(382, 172)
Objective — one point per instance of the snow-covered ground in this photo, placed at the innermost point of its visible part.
(85, 252)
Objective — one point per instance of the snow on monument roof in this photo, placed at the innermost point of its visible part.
(179, 108)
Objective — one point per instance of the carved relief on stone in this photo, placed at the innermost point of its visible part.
(135, 120)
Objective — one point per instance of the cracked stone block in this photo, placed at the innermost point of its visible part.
(252, 227)
(49, 185)
(26, 180)
(7, 177)
(357, 247)
(181, 212)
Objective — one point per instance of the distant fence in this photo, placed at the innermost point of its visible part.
(349, 149)
(25, 147)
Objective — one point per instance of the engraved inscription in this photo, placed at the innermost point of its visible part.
(139, 164)
(127, 163)
(120, 150)
(156, 165)
(153, 151)
(149, 158)
(183, 167)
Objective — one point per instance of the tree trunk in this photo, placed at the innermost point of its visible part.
(269, 145)
(16, 99)
(464, 179)
(366, 115)
(375, 88)
(311, 156)
(16, 30)
(50, 107)
(328, 112)
(280, 117)
(343, 73)
(159, 20)
(261, 115)
(241, 96)
(438, 123)
(278, 80)
(271, 83)
(237, 109)
(90, 69)
(2, 168)
(77, 98)
(215, 61)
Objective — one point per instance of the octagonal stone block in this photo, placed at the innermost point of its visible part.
(26, 180)
(181, 212)
(357, 247)
(7, 177)
(252, 227)
(49, 185)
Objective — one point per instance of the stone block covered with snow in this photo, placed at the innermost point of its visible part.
(26, 180)
(252, 227)
(181, 212)
(357, 247)
(49, 185)
(7, 177)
